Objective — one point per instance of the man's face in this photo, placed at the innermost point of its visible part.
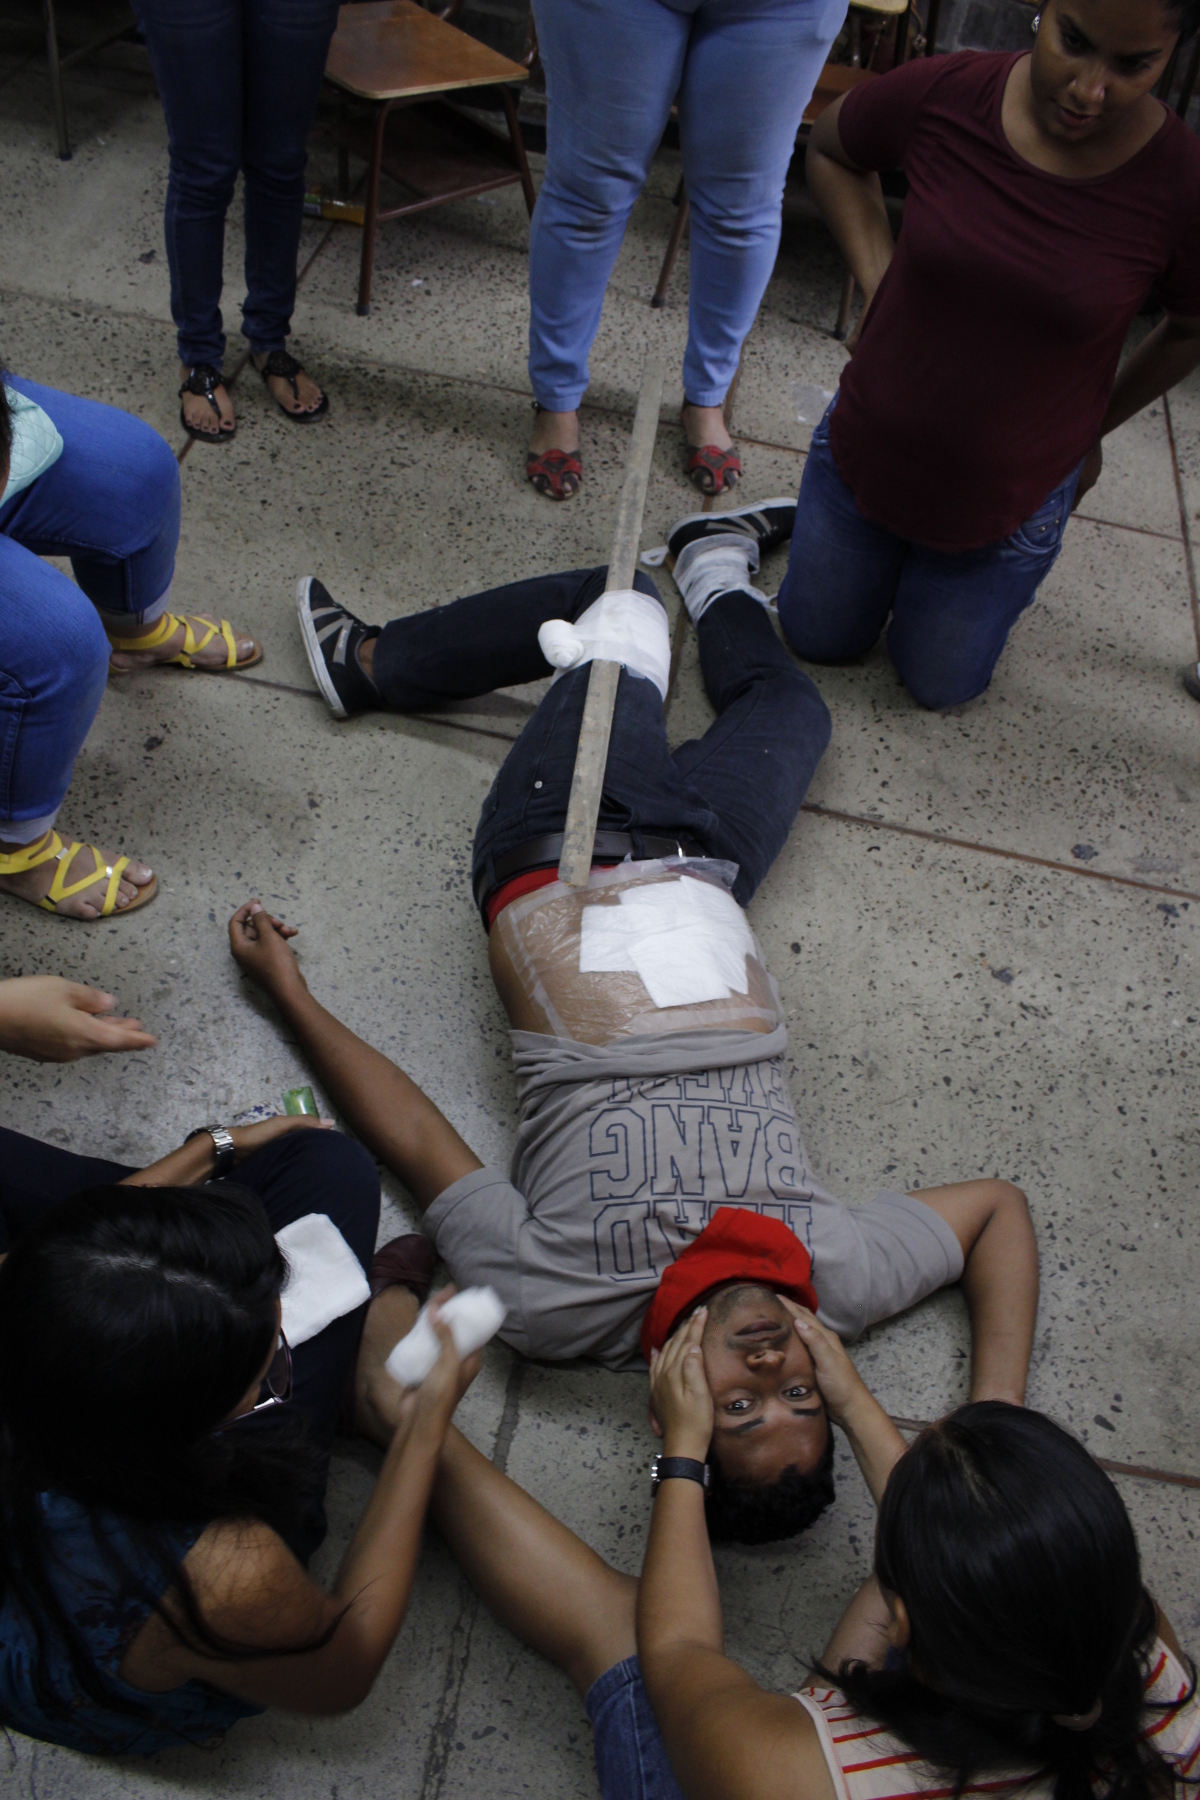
(768, 1412)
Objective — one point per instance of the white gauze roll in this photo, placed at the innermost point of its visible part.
(473, 1316)
(623, 627)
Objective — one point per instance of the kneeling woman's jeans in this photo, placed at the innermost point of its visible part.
(110, 503)
(951, 614)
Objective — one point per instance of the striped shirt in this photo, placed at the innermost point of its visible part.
(867, 1762)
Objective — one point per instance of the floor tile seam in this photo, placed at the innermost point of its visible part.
(1139, 1471)
(1185, 529)
(1023, 857)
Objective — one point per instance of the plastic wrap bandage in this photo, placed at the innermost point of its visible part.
(624, 627)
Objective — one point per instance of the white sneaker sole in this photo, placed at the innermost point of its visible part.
(312, 650)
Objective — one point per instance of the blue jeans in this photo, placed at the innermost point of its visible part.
(736, 790)
(239, 81)
(631, 1758)
(743, 71)
(951, 614)
(110, 503)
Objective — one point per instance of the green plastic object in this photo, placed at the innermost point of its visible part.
(300, 1100)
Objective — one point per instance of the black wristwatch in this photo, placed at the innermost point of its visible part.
(674, 1468)
(224, 1144)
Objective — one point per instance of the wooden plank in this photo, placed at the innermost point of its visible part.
(591, 758)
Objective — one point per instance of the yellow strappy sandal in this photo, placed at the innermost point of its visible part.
(32, 856)
(191, 645)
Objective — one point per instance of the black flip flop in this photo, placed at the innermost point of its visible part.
(285, 366)
(203, 380)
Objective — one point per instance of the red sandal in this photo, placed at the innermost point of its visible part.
(555, 474)
(712, 470)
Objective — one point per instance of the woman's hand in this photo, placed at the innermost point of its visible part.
(434, 1402)
(52, 1020)
(1089, 473)
(679, 1395)
(260, 948)
(196, 1158)
(841, 1385)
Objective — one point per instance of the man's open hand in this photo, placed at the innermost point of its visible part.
(52, 1020)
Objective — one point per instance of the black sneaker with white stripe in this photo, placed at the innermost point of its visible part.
(767, 524)
(332, 637)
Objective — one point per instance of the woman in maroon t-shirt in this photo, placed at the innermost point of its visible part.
(1049, 195)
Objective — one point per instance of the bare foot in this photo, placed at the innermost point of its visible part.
(554, 431)
(34, 884)
(199, 414)
(378, 1400)
(310, 395)
(705, 425)
(211, 657)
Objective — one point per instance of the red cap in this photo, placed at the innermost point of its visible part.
(736, 1245)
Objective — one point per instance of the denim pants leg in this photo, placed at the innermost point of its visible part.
(239, 81)
(744, 71)
(950, 613)
(736, 790)
(299, 1173)
(110, 503)
(749, 73)
(631, 1758)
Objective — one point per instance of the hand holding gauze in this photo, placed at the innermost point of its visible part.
(473, 1316)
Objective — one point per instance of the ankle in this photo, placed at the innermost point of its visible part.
(366, 657)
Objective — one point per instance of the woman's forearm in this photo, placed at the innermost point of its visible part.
(1171, 351)
(189, 1166)
(851, 203)
(678, 1601)
(875, 1441)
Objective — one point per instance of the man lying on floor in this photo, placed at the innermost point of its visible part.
(658, 1159)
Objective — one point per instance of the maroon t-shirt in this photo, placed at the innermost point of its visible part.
(987, 359)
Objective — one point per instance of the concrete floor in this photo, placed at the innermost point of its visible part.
(983, 926)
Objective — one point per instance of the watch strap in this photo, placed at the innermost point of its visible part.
(224, 1147)
(679, 1468)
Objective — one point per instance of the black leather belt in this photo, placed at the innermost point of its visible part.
(544, 853)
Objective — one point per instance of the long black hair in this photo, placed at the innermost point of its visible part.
(132, 1321)
(1186, 14)
(1018, 1566)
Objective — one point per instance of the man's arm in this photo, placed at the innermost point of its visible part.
(991, 1221)
(395, 1120)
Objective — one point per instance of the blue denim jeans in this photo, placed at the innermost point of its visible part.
(950, 614)
(110, 503)
(743, 72)
(736, 790)
(631, 1758)
(239, 81)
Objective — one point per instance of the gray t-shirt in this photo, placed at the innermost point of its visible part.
(624, 1152)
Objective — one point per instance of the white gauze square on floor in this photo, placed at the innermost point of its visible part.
(326, 1279)
(687, 939)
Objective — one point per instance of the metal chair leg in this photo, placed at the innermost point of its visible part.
(371, 216)
(56, 86)
(844, 305)
(673, 243)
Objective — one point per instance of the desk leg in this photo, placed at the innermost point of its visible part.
(518, 147)
(371, 216)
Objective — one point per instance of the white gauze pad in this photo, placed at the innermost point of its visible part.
(623, 627)
(325, 1278)
(687, 939)
(473, 1316)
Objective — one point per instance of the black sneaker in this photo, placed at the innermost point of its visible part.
(331, 638)
(767, 524)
